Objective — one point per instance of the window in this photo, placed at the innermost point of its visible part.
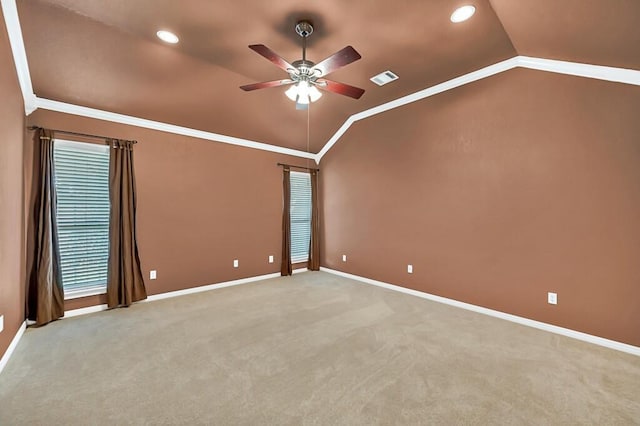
(300, 216)
(82, 186)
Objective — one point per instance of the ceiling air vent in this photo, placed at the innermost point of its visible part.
(384, 78)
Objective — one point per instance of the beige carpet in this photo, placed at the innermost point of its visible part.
(313, 349)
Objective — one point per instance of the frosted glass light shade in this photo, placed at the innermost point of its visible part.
(303, 93)
(314, 93)
(292, 92)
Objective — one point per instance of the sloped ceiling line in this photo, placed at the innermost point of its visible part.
(32, 102)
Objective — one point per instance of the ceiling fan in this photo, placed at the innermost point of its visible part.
(307, 76)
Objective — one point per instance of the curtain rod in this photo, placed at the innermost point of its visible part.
(297, 167)
(86, 135)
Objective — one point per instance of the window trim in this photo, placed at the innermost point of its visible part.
(300, 259)
(93, 290)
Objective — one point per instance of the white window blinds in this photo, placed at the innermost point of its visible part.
(300, 216)
(82, 185)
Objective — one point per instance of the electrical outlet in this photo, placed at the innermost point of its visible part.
(271, 259)
(552, 298)
(1, 323)
(344, 257)
(235, 263)
(410, 269)
(152, 275)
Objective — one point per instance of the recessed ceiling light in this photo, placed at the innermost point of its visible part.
(167, 36)
(463, 13)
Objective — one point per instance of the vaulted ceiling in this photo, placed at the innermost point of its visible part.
(105, 55)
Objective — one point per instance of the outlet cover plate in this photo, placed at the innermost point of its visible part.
(344, 257)
(235, 263)
(152, 275)
(552, 298)
(410, 269)
(271, 259)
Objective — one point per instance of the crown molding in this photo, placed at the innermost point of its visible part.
(422, 94)
(598, 72)
(12, 22)
(32, 102)
(164, 127)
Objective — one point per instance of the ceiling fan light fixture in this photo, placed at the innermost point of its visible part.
(167, 36)
(304, 75)
(462, 13)
(303, 93)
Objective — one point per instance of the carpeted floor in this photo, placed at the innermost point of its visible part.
(312, 349)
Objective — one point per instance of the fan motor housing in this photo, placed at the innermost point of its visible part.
(303, 64)
(304, 71)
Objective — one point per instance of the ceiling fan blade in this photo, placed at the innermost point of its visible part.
(337, 60)
(263, 50)
(340, 88)
(265, 84)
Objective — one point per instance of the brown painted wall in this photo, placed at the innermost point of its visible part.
(11, 212)
(499, 192)
(200, 205)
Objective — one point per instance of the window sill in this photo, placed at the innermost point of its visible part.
(77, 294)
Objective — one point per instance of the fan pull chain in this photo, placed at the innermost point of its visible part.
(308, 119)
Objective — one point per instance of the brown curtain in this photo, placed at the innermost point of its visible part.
(286, 268)
(124, 277)
(45, 294)
(314, 243)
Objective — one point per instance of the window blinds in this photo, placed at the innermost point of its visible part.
(300, 216)
(82, 185)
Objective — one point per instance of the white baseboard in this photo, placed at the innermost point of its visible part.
(154, 297)
(611, 344)
(12, 346)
